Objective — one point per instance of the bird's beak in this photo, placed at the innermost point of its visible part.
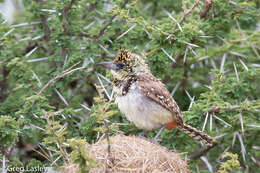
(109, 65)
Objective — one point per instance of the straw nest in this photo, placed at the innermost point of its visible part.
(130, 154)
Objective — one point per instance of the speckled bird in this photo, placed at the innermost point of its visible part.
(144, 99)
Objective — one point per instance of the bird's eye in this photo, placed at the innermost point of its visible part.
(120, 66)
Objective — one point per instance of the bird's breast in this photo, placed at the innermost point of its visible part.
(142, 111)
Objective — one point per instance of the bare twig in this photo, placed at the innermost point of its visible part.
(64, 73)
(47, 31)
(65, 13)
(196, 3)
(217, 109)
(208, 5)
(102, 30)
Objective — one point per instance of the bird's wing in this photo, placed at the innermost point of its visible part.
(156, 91)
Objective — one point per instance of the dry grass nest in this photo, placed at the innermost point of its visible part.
(130, 154)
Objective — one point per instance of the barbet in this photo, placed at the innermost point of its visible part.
(144, 99)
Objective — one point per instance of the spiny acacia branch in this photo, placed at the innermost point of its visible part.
(217, 109)
(196, 3)
(102, 30)
(65, 13)
(208, 5)
(64, 73)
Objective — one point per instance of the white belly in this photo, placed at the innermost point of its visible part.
(142, 111)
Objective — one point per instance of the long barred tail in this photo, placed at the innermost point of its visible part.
(197, 134)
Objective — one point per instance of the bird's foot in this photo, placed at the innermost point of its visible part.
(152, 140)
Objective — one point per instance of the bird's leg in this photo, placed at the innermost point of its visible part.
(159, 132)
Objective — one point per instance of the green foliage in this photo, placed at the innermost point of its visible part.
(72, 150)
(102, 112)
(52, 105)
(35, 166)
(9, 128)
(230, 164)
(80, 155)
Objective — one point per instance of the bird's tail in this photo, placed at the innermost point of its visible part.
(197, 134)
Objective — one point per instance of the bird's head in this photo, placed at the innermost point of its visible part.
(126, 64)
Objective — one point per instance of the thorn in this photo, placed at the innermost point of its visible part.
(175, 88)
(164, 51)
(38, 59)
(253, 125)
(223, 63)
(243, 149)
(185, 54)
(222, 120)
(85, 107)
(238, 54)
(109, 54)
(61, 97)
(235, 68)
(193, 51)
(172, 18)
(206, 161)
(212, 62)
(48, 10)
(9, 32)
(234, 138)
(241, 122)
(210, 122)
(220, 136)
(256, 65)
(102, 85)
(37, 78)
(205, 122)
(244, 65)
(203, 58)
(29, 53)
(103, 77)
(190, 44)
(120, 36)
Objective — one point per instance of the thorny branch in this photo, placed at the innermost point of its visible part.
(47, 31)
(65, 13)
(196, 3)
(64, 73)
(102, 30)
(170, 37)
(217, 109)
(208, 4)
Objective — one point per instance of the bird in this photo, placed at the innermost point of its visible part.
(144, 99)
